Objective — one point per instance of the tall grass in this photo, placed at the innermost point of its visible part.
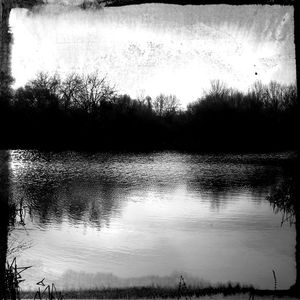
(13, 279)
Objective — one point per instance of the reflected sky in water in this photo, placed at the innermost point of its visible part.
(116, 219)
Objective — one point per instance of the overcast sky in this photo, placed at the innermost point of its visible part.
(154, 48)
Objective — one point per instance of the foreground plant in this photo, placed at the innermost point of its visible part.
(13, 278)
(49, 292)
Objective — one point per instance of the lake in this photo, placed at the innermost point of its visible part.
(112, 219)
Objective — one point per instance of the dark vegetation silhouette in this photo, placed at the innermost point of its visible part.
(85, 112)
(161, 292)
(156, 292)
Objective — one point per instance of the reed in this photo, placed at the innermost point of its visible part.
(13, 278)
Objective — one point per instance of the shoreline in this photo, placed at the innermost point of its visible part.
(228, 292)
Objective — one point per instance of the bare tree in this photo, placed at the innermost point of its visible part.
(44, 81)
(85, 92)
(289, 100)
(275, 92)
(43, 91)
(258, 91)
(69, 89)
(166, 105)
(218, 89)
(91, 91)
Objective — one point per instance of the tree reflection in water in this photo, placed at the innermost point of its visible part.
(4, 219)
(12, 216)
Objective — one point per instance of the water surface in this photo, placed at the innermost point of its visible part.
(107, 219)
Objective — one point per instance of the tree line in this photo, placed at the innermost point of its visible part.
(86, 112)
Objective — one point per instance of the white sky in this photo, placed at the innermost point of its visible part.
(154, 48)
